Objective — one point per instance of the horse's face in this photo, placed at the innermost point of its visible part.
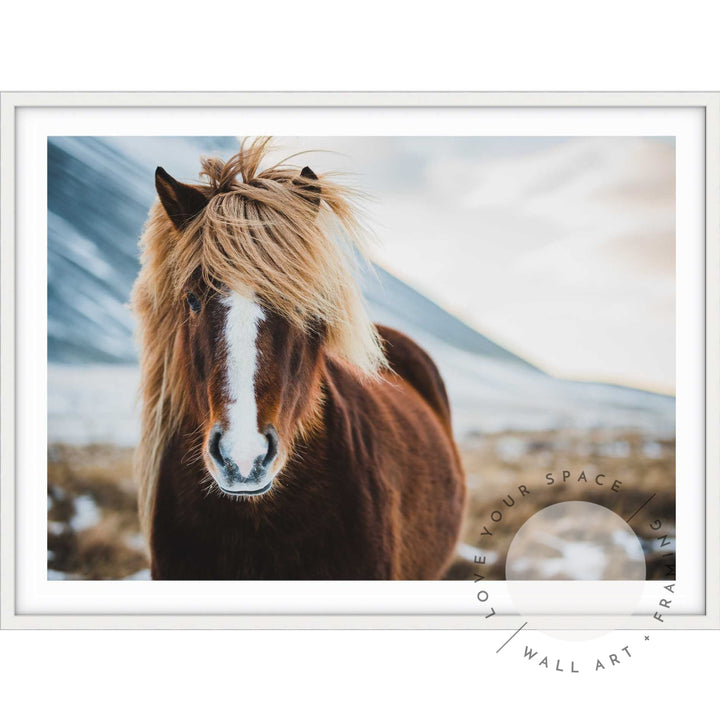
(252, 371)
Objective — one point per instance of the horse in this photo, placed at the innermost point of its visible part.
(284, 436)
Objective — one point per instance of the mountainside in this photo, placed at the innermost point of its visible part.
(99, 191)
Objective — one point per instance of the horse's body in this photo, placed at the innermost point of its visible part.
(376, 493)
(356, 475)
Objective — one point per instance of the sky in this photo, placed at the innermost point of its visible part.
(560, 249)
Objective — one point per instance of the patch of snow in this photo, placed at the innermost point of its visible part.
(652, 449)
(632, 548)
(143, 574)
(510, 448)
(87, 514)
(90, 404)
(618, 448)
(136, 542)
(58, 575)
(578, 560)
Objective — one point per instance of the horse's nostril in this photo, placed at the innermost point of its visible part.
(214, 447)
(272, 451)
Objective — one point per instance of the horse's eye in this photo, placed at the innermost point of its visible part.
(193, 302)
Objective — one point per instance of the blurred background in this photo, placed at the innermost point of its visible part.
(539, 273)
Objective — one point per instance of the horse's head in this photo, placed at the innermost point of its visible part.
(253, 373)
(246, 287)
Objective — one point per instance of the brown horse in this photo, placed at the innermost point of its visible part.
(284, 436)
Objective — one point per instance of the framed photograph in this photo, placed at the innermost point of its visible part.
(382, 360)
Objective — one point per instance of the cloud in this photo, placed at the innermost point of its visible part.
(563, 249)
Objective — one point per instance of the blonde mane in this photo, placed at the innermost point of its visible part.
(261, 232)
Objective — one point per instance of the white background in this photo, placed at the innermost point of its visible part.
(372, 46)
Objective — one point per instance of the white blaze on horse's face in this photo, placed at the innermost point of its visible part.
(242, 440)
(241, 455)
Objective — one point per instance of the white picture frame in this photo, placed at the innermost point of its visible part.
(26, 118)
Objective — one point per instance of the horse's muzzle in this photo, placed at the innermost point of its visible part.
(228, 475)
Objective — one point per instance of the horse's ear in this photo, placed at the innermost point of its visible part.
(308, 187)
(181, 202)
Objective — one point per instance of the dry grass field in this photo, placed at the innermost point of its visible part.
(93, 529)
(497, 465)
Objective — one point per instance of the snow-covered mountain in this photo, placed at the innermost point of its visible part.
(99, 191)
